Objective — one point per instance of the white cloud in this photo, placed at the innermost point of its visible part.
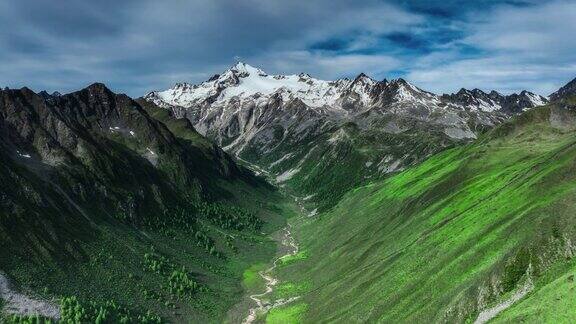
(543, 31)
(520, 48)
(502, 73)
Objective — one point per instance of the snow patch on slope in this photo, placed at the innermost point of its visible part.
(287, 175)
(24, 155)
(535, 99)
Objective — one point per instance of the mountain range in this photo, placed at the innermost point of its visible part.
(338, 133)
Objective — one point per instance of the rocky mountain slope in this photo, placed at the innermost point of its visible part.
(338, 133)
(565, 92)
(111, 205)
(88, 134)
(483, 231)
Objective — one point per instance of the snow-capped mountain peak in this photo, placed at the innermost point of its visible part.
(244, 83)
(537, 100)
(363, 78)
(477, 99)
(246, 69)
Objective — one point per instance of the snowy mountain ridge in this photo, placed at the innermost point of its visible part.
(244, 82)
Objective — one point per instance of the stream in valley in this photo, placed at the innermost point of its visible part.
(262, 305)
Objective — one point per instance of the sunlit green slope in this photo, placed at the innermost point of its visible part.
(458, 234)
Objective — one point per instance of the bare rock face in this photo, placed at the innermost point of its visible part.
(563, 117)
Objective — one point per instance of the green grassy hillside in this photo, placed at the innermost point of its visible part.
(442, 241)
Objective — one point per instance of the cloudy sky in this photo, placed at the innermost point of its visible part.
(136, 46)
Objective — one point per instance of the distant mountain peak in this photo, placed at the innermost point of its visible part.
(400, 81)
(44, 94)
(495, 101)
(363, 79)
(245, 68)
(362, 76)
(566, 91)
(98, 87)
(403, 83)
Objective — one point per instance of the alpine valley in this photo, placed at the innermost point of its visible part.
(323, 138)
(258, 198)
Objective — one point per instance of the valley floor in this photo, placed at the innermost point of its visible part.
(261, 282)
